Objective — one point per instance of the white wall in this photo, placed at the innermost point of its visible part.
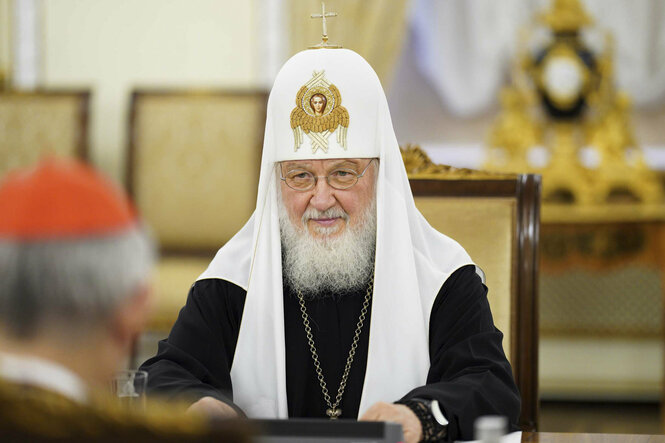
(111, 46)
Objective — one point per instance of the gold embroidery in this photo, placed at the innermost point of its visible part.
(319, 113)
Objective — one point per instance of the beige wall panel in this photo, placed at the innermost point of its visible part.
(604, 369)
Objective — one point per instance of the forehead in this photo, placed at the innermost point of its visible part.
(336, 162)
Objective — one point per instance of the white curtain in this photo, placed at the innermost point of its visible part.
(638, 27)
(464, 47)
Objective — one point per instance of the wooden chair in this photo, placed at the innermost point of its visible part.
(495, 217)
(193, 168)
(36, 124)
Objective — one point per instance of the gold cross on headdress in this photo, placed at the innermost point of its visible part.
(324, 38)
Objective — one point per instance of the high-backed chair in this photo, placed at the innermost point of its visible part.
(36, 124)
(193, 167)
(495, 217)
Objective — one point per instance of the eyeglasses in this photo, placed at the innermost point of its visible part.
(303, 180)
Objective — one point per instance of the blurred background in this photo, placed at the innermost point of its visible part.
(167, 97)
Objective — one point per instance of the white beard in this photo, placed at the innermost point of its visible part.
(328, 266)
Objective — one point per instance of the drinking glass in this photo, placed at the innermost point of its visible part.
(129, 387)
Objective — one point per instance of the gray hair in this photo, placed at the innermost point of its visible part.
(70, 283)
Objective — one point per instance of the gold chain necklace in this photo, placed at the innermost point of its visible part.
(333, 410)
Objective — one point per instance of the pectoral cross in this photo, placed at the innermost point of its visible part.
(333, 413)
(323, 16)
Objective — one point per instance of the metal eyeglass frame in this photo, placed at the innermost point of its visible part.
(327, 177)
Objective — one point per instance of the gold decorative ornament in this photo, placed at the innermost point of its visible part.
(563, 118)
(566, 16)
(319, 113)
(418, 165)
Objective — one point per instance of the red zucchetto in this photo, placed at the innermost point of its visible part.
(60, 199)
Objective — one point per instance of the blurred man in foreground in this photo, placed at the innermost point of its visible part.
(74, 295)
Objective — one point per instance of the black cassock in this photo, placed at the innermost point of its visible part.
(469, 374)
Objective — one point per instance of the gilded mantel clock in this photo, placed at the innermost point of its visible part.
(562, 116)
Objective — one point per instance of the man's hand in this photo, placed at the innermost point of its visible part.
(413, 431)
(211, 407)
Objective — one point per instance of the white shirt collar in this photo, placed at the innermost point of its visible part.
(44, 374)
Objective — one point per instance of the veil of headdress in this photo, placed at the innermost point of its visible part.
(413, 260)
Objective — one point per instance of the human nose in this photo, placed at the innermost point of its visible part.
(323, 195)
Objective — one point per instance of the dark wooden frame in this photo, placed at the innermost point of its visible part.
(132, 152)
(82, 150)
(525, 189)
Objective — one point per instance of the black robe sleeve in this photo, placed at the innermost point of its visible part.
(195, 360)
(469, 374)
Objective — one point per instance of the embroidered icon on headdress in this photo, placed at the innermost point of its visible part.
(319, 113)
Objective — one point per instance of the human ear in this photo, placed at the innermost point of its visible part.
(131, 316)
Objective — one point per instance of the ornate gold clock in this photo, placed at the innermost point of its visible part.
(562, 117)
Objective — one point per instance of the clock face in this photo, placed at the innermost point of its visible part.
(563, 79)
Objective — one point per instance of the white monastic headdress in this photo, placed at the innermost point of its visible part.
(413, 260)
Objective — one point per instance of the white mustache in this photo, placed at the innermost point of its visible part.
(334, 212)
